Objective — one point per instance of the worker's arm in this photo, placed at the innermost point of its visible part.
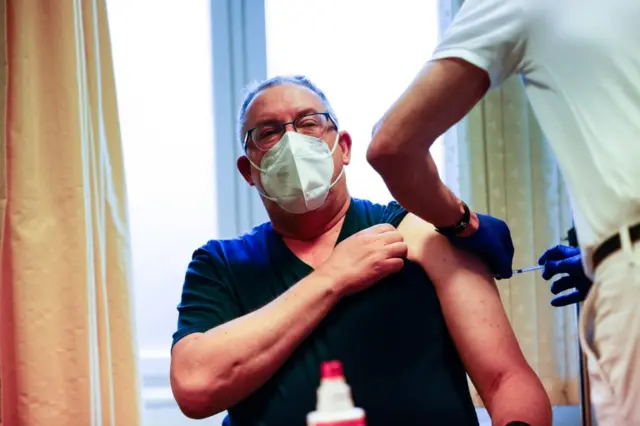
(479, 327)
(483, 46)
(443, 93)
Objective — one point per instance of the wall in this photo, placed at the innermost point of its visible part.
(160, 409)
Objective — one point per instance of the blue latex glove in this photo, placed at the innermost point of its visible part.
(565, 260)
(492, 243)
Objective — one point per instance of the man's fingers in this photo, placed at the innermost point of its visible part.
(549, 269)
(501, 268)
(380, 228)
(397, 250)
(564, 283)
(393, 265)
(547, 255)
(507, 241)
(391, 237)
(554, 253)
(558, 252)
(504, 275)
(564, 266)
(567, 299)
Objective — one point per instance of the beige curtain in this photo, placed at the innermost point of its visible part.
(498, 160)
(67, 344)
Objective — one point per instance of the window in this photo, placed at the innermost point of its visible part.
(182, 184)
(360, 65)
(163, 67)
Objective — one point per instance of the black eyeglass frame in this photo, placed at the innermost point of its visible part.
(283, 127)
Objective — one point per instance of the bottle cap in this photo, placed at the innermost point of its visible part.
(331, 370)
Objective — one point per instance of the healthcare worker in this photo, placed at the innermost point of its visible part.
(580, 66)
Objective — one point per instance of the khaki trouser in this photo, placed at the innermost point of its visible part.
(610, 337)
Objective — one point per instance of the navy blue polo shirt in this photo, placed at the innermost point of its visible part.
(397, 353)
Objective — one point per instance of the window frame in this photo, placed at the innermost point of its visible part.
(239, 49)
(238, 43)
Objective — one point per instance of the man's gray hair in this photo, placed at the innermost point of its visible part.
(254, 89)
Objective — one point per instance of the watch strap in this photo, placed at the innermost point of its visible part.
(459, 227)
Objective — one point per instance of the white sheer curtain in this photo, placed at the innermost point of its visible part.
(497, 160)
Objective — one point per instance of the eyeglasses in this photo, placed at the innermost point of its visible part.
(266, 135)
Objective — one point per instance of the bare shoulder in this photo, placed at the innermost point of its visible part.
(437, 255)
(418, 234)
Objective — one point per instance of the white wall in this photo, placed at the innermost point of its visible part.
(160, 408)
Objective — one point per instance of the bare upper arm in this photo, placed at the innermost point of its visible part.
(471, 305)
(441, 94)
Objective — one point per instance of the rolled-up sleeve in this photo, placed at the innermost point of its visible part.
(207, 300)
(490, 34)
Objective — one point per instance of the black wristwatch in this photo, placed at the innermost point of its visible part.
(458, 228)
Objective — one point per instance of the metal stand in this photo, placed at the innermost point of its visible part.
(585, 389)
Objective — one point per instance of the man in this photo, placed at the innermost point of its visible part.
(331, 277)
(580, 65)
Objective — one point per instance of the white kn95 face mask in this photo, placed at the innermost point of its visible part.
(296, 173)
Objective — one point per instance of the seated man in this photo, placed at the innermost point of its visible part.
(333, 277)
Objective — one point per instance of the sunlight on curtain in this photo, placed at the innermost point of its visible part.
(67, 352)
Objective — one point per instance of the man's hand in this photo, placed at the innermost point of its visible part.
(491, 242)
(565, 260)
(365, 258)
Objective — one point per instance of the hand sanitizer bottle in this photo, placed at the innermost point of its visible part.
(335, 405)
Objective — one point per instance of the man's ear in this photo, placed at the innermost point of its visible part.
(345, 144)
(244, 167)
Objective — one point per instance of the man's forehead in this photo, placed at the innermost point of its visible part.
(283, 102)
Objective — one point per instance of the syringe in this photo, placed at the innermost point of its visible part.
(523, 270)
(529, 269)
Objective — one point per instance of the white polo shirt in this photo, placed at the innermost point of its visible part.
(580, 65)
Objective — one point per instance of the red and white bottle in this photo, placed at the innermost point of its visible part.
(335, 405)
